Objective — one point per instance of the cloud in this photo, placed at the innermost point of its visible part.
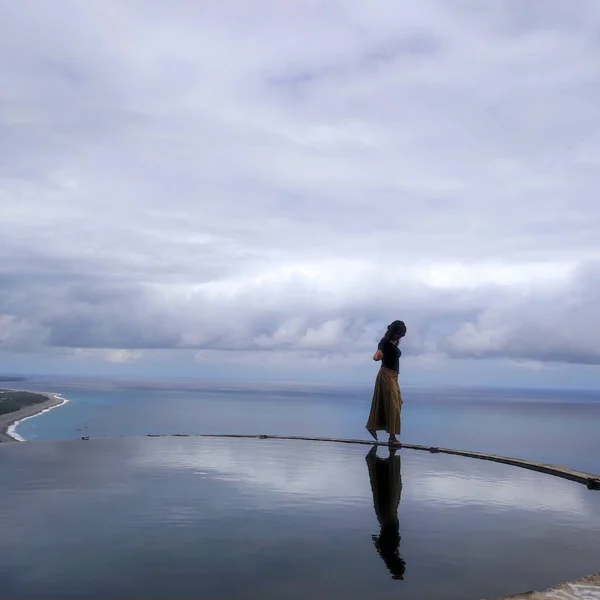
(286, 180)
(548, 325)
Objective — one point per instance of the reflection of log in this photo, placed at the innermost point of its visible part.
(386, 486)
(590, 480)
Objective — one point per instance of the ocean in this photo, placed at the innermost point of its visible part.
(553, 426)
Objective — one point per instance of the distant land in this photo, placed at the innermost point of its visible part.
(16, 405)
(11, 400)
(5, 378)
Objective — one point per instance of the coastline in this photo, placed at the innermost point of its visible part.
(9, 421)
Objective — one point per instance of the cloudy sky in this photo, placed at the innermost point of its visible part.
(256, 188)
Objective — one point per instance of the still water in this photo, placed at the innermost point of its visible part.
(214, 518)
(559, 427)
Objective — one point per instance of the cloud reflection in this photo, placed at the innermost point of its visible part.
(328, 472)
(525, 492)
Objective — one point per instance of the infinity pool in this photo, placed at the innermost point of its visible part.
(233, 518)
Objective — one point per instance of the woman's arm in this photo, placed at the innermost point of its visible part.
(378, 355)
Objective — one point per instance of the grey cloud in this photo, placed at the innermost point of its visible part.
(165, 168)
(546, 324)
(557, 325)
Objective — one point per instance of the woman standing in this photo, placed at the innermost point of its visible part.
(387, 402)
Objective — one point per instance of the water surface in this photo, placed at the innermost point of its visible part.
(559, 427)
(213, 518)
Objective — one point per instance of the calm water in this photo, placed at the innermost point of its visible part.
(200, 518)
(556, 427)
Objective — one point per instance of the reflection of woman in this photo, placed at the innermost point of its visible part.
(386, 485)
(387, 402)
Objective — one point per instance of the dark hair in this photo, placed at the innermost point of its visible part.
(397, 327)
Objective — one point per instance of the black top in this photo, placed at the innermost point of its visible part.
(391, 355)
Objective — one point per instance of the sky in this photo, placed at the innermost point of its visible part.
(256, 189)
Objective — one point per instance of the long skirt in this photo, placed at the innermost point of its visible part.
(386, 403)
(386, 486)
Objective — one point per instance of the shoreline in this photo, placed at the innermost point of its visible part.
(10, 421)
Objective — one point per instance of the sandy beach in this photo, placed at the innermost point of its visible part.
(8, 419)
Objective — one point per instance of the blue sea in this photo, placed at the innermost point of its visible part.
(559, 427)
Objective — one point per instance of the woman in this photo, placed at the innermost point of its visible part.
(387, 402)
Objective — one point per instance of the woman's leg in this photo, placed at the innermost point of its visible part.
(395, 406)
(374, 422)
